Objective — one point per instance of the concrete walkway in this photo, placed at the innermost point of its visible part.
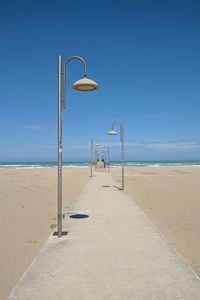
(115, 253)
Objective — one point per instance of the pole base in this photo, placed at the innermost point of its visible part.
(63, 233)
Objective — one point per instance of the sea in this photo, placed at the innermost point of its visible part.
(86, 164)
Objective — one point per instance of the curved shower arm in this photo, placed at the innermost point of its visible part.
(64, 100)
(121, 124)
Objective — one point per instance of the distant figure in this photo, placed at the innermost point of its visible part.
(104, 163)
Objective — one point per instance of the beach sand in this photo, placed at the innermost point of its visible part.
(170, 197)
(28, 208)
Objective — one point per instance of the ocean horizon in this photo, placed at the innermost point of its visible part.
(86, 164)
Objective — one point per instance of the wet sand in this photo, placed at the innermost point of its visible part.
(28, 208)
(170, 197)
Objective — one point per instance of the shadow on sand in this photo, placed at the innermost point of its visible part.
(120, 189)
(79, 216)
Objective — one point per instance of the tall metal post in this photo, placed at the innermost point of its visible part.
(105, 158)
(122, 141)
(91, 157)
(108, 159)
(83, 84)
(112, 132)
(59, 146)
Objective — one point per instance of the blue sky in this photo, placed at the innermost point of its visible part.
(145, 56)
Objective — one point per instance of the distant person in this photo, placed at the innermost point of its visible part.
(104, 163)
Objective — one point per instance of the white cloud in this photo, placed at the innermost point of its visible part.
(182, 144)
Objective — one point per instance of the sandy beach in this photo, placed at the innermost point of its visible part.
(170, 197)
(28, 207)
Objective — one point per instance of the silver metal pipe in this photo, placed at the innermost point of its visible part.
(65, 79)
(115, 122)
(59, 146)
(121, 124)
(105, 158)
(91, 158)
(62, 104)
(108, 159)
(95, 157)
(122, 141)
